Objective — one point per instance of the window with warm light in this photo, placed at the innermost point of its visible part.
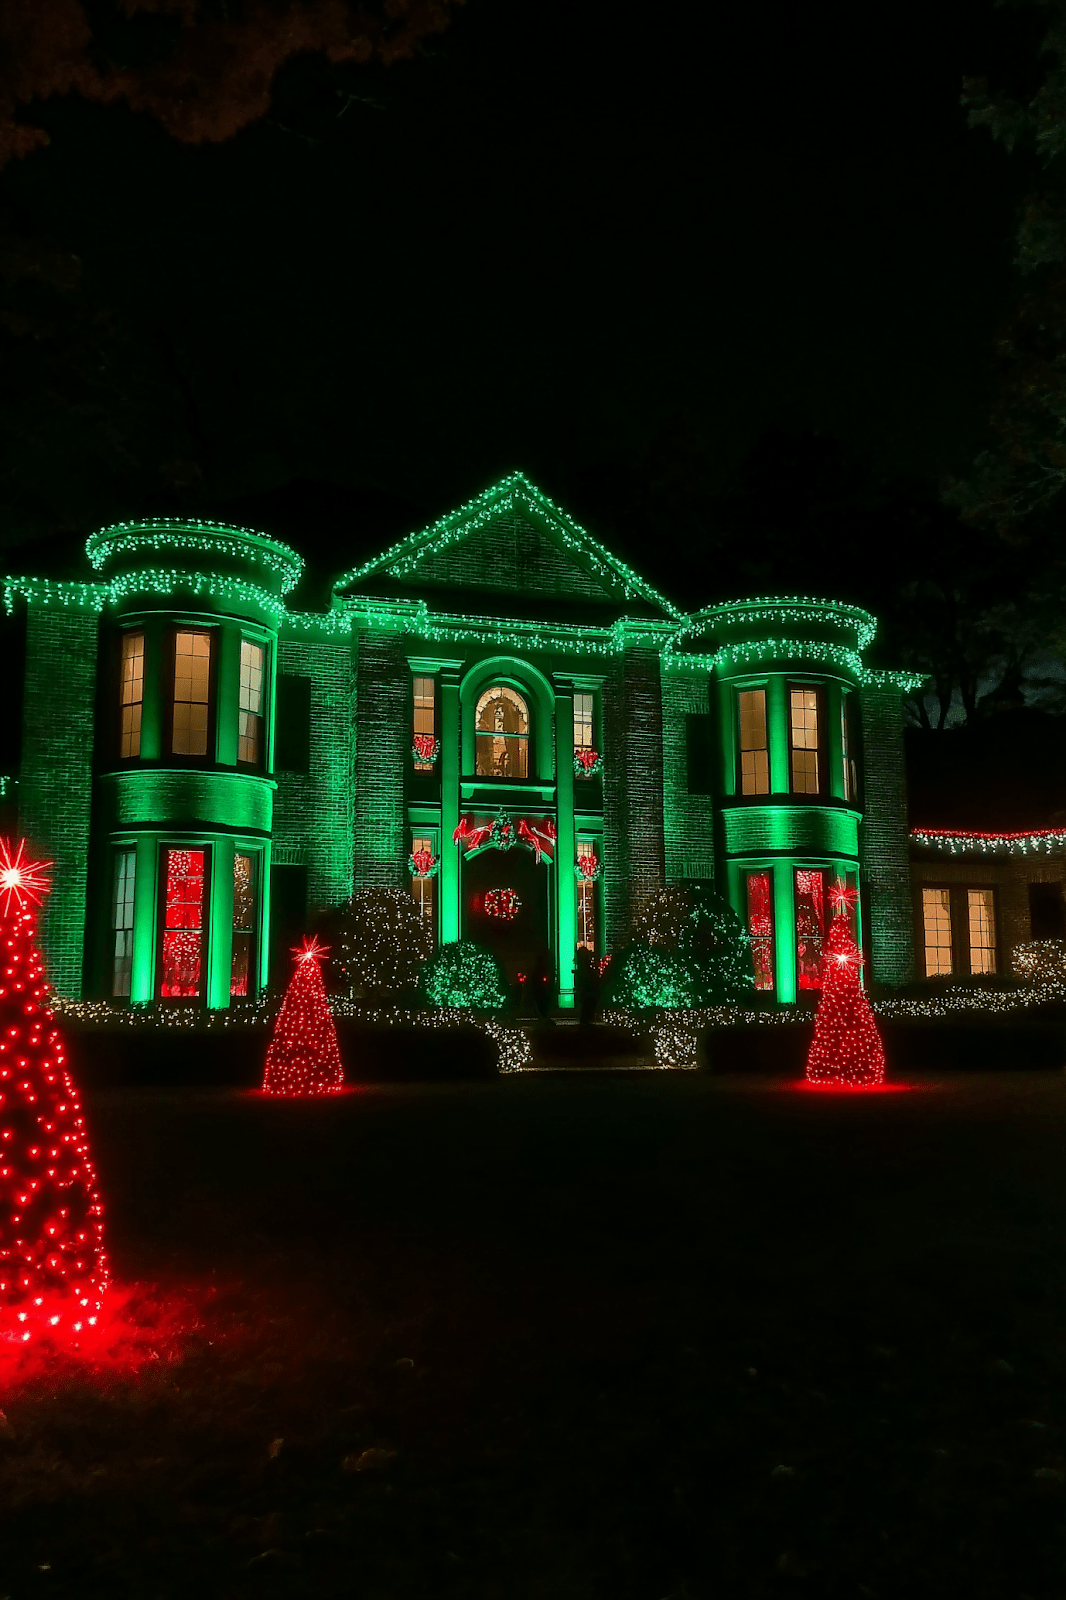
(131, 695)
(424, 890)
(754, 755)
(122, 923)
(250, 730)
(981, 923)
(183, 923)
(501, 723)
(425, 715)
(586, 900)
(804, 733)
(584, 735)
(244, 923)
(936, 928)
(192, 686)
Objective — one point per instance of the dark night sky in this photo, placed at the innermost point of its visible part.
(611, 245)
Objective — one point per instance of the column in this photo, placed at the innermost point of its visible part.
(566, 854)
(785, 931)
(220, 925)
(157, 640)
(449, 804)
(833, 742)
(227, 693)
(145, 899)
(778, 733)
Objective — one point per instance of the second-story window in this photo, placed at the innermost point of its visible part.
(754, 756)
(132, 695)
(192, 684)
(584, 737)
(501, 724)
(804, 722)
(250, 732)
(425, 717)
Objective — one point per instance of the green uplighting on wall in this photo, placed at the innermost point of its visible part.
(787, 828)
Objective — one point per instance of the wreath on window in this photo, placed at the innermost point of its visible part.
(425, 747)
(587, 763)
(422, 864)
(588, 866)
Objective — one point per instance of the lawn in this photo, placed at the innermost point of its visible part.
(622, 1335)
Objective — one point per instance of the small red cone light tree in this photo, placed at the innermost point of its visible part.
(303, 1058)
(846, 1051)
(53, 1270)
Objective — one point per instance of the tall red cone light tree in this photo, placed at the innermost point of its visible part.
(53, 1270)
(304, 1058)
(846, 1051)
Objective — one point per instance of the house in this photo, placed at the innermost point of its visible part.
(496, 713)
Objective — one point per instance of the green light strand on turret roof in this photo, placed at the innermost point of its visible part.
(154, 535)
(785, 611)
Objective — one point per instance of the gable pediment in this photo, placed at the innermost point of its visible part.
(510, 540)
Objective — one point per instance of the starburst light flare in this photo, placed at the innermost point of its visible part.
(21, 879)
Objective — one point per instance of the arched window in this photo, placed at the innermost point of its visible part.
(501, 722)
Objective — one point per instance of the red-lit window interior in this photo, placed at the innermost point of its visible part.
(243, 924)
(183, 924)
(761, 928)
(810, 927)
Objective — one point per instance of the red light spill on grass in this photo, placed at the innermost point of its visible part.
(139, 1326)
(856, 1090)
(311, 1099)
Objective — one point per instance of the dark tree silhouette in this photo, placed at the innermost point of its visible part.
(203, 71)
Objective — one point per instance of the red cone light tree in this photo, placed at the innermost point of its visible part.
(303, 1058)
(53, 1269)
(846, 1051)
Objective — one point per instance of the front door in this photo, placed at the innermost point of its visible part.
(505, 907)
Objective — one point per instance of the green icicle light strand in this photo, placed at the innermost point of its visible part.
(208, 538)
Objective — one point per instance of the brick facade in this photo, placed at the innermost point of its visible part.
(382, 759)
(509, 553)
(58, 734)
(688, 817)
(1009, 876)
(313, 812)
(634, 844)
(885, 838)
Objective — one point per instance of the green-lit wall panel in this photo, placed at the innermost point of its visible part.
(804, 830)
(634, 850)
(55, 783)
(158, 798)
(382, 759)
(885, 838)
(450, 734)
(688, 819)
(566, 855)
(313, 810)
